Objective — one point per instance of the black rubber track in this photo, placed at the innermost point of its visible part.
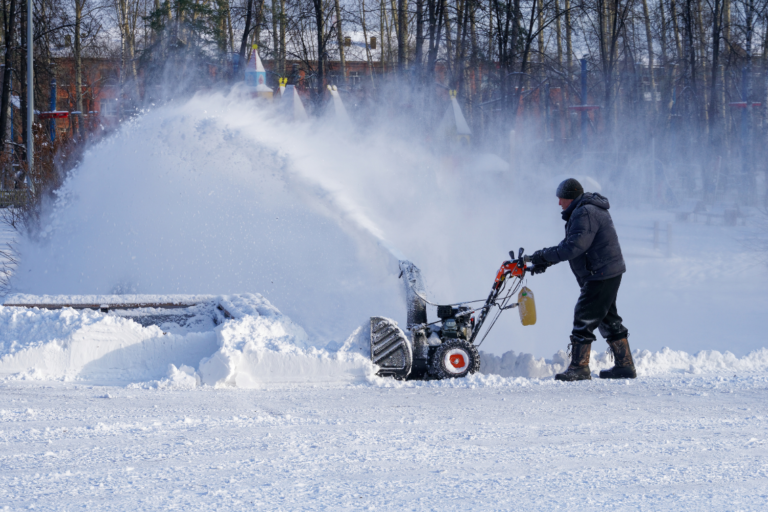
(437, 363)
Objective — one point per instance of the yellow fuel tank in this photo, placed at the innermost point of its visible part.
(526, 306)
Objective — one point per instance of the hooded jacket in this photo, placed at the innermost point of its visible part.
(591, 244)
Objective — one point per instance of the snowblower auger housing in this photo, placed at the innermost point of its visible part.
(444, 348)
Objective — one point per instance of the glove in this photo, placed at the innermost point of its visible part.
(537, 259)
(538, 269)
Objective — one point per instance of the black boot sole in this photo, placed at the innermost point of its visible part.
(618, 373)
(571, 375)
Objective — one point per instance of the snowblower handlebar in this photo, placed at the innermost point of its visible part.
(515, 267)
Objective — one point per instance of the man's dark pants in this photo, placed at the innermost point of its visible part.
(596, 308)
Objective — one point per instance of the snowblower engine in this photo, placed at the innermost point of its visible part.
(446, 348)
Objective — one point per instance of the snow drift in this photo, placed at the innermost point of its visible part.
(255, 346)
(665, 361)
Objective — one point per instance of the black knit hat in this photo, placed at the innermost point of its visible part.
(569, 189)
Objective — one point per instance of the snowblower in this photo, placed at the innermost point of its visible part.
(446, 348)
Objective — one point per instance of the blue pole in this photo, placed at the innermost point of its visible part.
(745, 167)
(53, 108)
(584, 104)
(546, 113)
(12, 134)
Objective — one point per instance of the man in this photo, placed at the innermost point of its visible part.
(591, 246)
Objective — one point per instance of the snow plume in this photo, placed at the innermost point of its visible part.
(218, 196)
(221, 194)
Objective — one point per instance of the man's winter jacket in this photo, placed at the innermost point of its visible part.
(591, 245)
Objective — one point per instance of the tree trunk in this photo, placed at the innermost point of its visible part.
(402, 19)
(676, 28)
(765, 96)
(461, 46)
(128, 62)
(435, 8)
(5, 98)
(448, 44)
(703, 57)
(246, 31)
(663, 21)
(419, 52)
(540, 25)
(340, 40)
(229, 27)
(79, 66)
(382, 18)
(283, 28)
(568, 39)
(691, 54)
(559, 31)
(461, 16)
(715, 132)
(275, 35)
(23, 72)
(367, 43)
(649, 42)
(320, 90)
(473, 62)
(514, 18)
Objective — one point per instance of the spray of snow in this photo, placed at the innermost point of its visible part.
(224, 195)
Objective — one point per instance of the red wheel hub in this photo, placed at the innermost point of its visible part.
(457, 360)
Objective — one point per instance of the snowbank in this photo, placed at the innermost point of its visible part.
(244, 341)
(256, 345)
(261, 345)
(68, 344)
(647, 363)
(27, 299)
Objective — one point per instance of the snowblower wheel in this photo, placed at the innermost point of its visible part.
(454, 359)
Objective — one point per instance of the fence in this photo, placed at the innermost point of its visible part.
(12, 198)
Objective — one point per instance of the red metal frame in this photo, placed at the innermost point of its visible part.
(56, 114)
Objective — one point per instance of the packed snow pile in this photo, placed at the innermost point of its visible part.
(245, 342)
(69, 344)
(262, 345)
(666, 361)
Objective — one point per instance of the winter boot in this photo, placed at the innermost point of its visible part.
(624, 365)
(579, 367)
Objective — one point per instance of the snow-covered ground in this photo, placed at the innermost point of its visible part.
(679, 442)
(247, 414)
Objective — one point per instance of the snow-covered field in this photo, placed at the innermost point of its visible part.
(679, 442)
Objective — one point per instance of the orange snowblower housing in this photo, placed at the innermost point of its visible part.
(509, 268)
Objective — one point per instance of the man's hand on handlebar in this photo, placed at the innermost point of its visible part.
(540, 265)
(537, 259)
